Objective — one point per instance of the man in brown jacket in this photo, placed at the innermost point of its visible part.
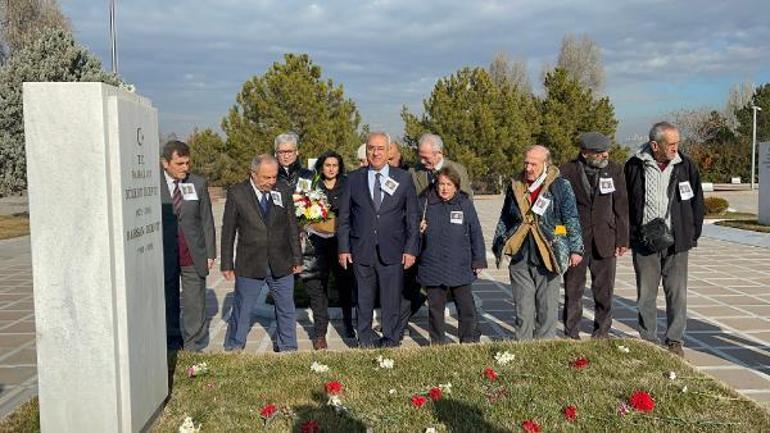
(602, 202)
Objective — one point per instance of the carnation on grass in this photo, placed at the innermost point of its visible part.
(310, 426)
(267, 411)
(570, 413)
(418, 400)
(641, 401)
(531, 426)
(385, 363)
(188, 426)
(504, 358)
(435, 393)
(490, 373)
(197, 369)
(333, 388)
(579, 363)
(317, 367)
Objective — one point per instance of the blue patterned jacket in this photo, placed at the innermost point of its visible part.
(561, 211)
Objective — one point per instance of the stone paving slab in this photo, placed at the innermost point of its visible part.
(728, 335)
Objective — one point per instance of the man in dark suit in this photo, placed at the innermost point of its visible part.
(262, 217)
(189, 248)
(602, 202)
(378, 234)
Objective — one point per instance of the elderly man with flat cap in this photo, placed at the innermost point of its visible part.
(602, 202)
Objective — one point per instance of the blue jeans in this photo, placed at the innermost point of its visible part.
(246, 294)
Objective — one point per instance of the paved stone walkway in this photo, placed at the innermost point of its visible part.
(728, 335)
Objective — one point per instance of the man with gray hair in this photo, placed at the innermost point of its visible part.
(361, 156)
(286, 148)
(377, 234)
(539, 230)
(260, 214)
(665, 217)
(430, 149)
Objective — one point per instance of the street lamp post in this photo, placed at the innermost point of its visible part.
(754, 145)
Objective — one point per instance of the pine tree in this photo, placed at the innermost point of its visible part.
(52, 56)
(484, 126)
(569, 110)
(291, 96)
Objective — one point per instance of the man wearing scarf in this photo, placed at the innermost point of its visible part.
(602, 202)
(539, 230)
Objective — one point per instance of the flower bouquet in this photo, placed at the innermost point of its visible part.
(312, 208)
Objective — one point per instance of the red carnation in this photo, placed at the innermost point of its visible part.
(310, 426)
(570, 413)
(333, 387)
(641, 401)
(267, 411)
(579, 363)
(490, 373)
(419, 400)
(435, 393)
(530, 426)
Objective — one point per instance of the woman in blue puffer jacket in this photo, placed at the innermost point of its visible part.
(452, 253)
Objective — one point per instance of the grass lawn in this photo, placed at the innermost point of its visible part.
(747, 224)
(537, 385)
(12, 226)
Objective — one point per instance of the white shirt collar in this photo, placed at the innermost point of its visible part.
(256, 190)
(385, 170)
(170, 182)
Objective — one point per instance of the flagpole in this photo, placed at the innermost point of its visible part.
(113, 38)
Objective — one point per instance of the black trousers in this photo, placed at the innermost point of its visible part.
(411, 298)
(387, 281)
(602, 285)
(466, 312)
(320, 261)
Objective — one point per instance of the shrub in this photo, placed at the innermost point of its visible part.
(716, 205)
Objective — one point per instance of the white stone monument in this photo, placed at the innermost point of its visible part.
(764, 183)
(97, 256)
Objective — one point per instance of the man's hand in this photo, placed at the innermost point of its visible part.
(574, 260)
(229, 275)
(619, 251)
(407, 260)
(296, 269)
(344, 259)
(210, 263)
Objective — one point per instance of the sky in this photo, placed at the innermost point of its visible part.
(191, 57)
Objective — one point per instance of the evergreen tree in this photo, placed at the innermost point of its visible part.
(209, 158)
(485, 126)
(52, 56)
(745, 115)
(569, 110)
(291, 96)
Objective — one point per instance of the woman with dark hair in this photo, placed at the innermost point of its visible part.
(320, 256)
(452, 254)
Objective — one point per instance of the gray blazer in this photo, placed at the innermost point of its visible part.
(420, 177)
(196, 222)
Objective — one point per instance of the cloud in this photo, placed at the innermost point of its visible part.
(191, 57)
